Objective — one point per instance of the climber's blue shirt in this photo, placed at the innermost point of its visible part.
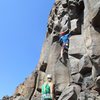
(65, 38)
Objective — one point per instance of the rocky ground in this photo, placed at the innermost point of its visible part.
(78, 76)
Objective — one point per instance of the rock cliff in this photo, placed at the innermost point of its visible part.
(78, 76)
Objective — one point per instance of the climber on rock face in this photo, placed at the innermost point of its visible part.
(64, 40)
(47, 89)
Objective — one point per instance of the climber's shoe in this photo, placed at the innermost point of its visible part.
(60, 59)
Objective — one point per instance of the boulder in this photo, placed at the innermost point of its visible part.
(70, 93)
(85, 65)
(87, 95)
(74, 65)
(77, 78)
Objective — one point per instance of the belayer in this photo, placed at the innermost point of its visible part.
(48, 89)
(64, 40)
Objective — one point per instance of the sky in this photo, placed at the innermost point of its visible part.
(22, 32)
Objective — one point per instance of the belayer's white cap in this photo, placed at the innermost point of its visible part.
(49, 76)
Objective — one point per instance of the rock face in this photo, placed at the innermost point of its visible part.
(78, 76)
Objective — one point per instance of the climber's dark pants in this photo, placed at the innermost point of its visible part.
(65, 47)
